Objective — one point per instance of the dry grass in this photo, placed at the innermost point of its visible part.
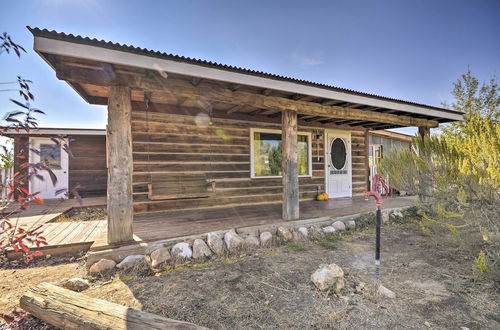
(271, 288)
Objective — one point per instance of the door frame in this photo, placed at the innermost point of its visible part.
(31, 160)
(349, 155)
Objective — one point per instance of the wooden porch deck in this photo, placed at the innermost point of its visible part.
(62, 237)
(158, 226)
(76, 237)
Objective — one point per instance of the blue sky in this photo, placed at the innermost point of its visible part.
(412, 50)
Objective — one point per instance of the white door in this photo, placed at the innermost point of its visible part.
(338, 164)
(48, 152)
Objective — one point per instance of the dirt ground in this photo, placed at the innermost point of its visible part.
(82, 214)
(271, 289)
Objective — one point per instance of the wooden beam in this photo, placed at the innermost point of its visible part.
(235, 108)
(290, 171)
(120, 168)
(220, 94)
(66, 309)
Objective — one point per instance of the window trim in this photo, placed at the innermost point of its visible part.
(277, 131)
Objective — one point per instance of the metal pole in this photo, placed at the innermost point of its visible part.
(377, 242)
(378, 181)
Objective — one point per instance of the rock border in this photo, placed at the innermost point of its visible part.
(233, 241)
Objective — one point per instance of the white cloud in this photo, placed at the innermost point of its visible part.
(309, 59)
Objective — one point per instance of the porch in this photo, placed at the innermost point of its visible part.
(166, 225)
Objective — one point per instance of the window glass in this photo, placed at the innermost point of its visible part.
(50, 155)
(338, 154)
(267, 154)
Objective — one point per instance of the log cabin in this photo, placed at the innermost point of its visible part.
(85, 167)
(185, 133)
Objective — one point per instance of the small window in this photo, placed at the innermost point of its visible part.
(266, 153)
(338, 154)
(50, 155)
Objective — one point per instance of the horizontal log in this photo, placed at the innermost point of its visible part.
(66, 309)
(189, 157)
(202, 148)
(190, 167)
(214, 93)
(178, 128)
(183, 204)
(184, 138)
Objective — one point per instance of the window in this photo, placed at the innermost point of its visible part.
(266, 153)
(50, 155)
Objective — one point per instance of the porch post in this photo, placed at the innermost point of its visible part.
(424, 131)
(289, 166)
(119, 136)
(425, 188)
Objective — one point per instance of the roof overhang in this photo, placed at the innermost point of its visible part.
(46, 131)
(50, 47)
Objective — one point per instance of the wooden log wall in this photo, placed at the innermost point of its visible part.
(88, 166)
(185, 143)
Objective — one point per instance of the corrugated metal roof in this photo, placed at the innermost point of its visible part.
(162, 55)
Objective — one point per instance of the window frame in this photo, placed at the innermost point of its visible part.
(278, 131)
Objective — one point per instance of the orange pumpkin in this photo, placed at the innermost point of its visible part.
(322, 197)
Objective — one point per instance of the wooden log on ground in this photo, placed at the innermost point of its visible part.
(66, 309)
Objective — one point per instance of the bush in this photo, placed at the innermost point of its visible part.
(457, 173)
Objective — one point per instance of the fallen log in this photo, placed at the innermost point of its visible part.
(66, 309)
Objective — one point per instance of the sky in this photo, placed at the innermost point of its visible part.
(410, 50)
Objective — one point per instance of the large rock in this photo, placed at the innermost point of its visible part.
(131, 261)
(328, 230)
(284, 233)
(76, 284)
(215, 243)
(266, 239)
(233, 240)
(338, 225)
(328, 277)
(252, 242)
(383, 291)
(182, 250)
(303, 231)
(201, 249)
(159, 256)
(351, 224)
(102, 266)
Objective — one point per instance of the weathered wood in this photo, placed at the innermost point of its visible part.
(181, 88)
(66, 309)
(366, 163)
(165, 187)
(289, 165)
(120, 165)
(424, 180)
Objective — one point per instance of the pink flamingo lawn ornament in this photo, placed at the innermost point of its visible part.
(378, 182)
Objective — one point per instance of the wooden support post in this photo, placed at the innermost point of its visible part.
(289, 165)
(367, 160)
(424, 181)
(120, 167)
(424, 131)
